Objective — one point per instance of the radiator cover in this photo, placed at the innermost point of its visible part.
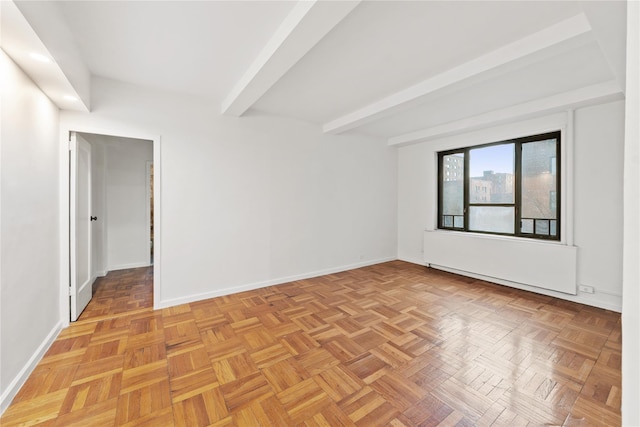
(541, 264)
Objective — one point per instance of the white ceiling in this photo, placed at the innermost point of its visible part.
(385, 68)
(196, 47)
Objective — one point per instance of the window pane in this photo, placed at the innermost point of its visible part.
(493, 219)
(452, 189)
(539, 180)
(542, 227)
(491, 172)
(527, 226)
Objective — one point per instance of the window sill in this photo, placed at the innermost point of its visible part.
(500, 237)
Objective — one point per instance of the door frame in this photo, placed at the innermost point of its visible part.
(148, 194)
(65, 131)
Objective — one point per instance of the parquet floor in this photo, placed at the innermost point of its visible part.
(393, 344)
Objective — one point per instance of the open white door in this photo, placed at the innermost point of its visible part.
(80, 224)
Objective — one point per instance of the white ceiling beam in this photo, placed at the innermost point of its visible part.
(572, 29)
(41, 27)
(306, 25)
(603, 16)
(588, 95)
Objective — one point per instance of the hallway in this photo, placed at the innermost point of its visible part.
(119, 293)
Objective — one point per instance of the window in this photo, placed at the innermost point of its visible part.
(509, 188)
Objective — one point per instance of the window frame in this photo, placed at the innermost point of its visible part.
(517, 202)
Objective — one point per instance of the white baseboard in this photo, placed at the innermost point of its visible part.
(411, 260)
(598, 299)
(17, 383)
(127, 266)
(258, 285)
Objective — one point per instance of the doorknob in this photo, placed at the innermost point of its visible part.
(94, 218)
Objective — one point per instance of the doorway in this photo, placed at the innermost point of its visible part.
(124, 208)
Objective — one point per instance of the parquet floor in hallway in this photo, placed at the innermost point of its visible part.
(393, 344)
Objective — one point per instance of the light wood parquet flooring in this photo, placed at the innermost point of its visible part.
(393, 344)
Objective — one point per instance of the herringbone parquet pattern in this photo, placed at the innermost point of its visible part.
(393, 344)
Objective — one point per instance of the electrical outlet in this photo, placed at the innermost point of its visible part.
(586, 289)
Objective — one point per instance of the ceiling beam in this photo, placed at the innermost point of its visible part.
(602, 17)
(40, 27)
(607, 91)
(306, 25)
(567, 32)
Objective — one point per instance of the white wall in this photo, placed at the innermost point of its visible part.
(599, 169)
(631, 266)
(29, 238)
(256, 200)
(126, 202)
(119, 201)
(416, 199)
(599, 249)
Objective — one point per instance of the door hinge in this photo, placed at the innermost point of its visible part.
(70, 291)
